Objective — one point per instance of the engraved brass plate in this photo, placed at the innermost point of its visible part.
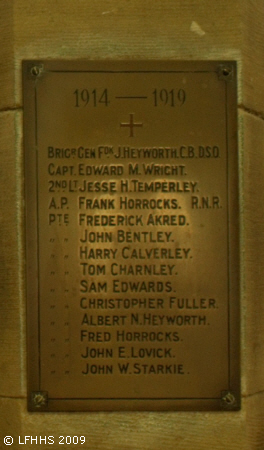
(131, 235)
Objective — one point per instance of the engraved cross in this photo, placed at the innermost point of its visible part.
(131, 125)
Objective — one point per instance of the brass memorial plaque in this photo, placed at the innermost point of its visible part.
(131, 235)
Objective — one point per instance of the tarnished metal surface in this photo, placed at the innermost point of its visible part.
(132, 235)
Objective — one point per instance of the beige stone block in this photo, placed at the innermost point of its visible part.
(253, 48)
(101, 29)
(134, 431)
(10, 420)
(160, 29)
(11, 256)
(254, 423)
(65, 28)
(7, 74)
(252, 253)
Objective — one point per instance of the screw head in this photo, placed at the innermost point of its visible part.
(36, 70)
(225, 72)
(39, 399)
(229, 400)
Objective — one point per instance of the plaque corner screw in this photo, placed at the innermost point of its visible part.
(36, 70)
(229, 399)
(39, 399)
(225, 72)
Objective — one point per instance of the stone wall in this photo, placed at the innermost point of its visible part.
(134, 29)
